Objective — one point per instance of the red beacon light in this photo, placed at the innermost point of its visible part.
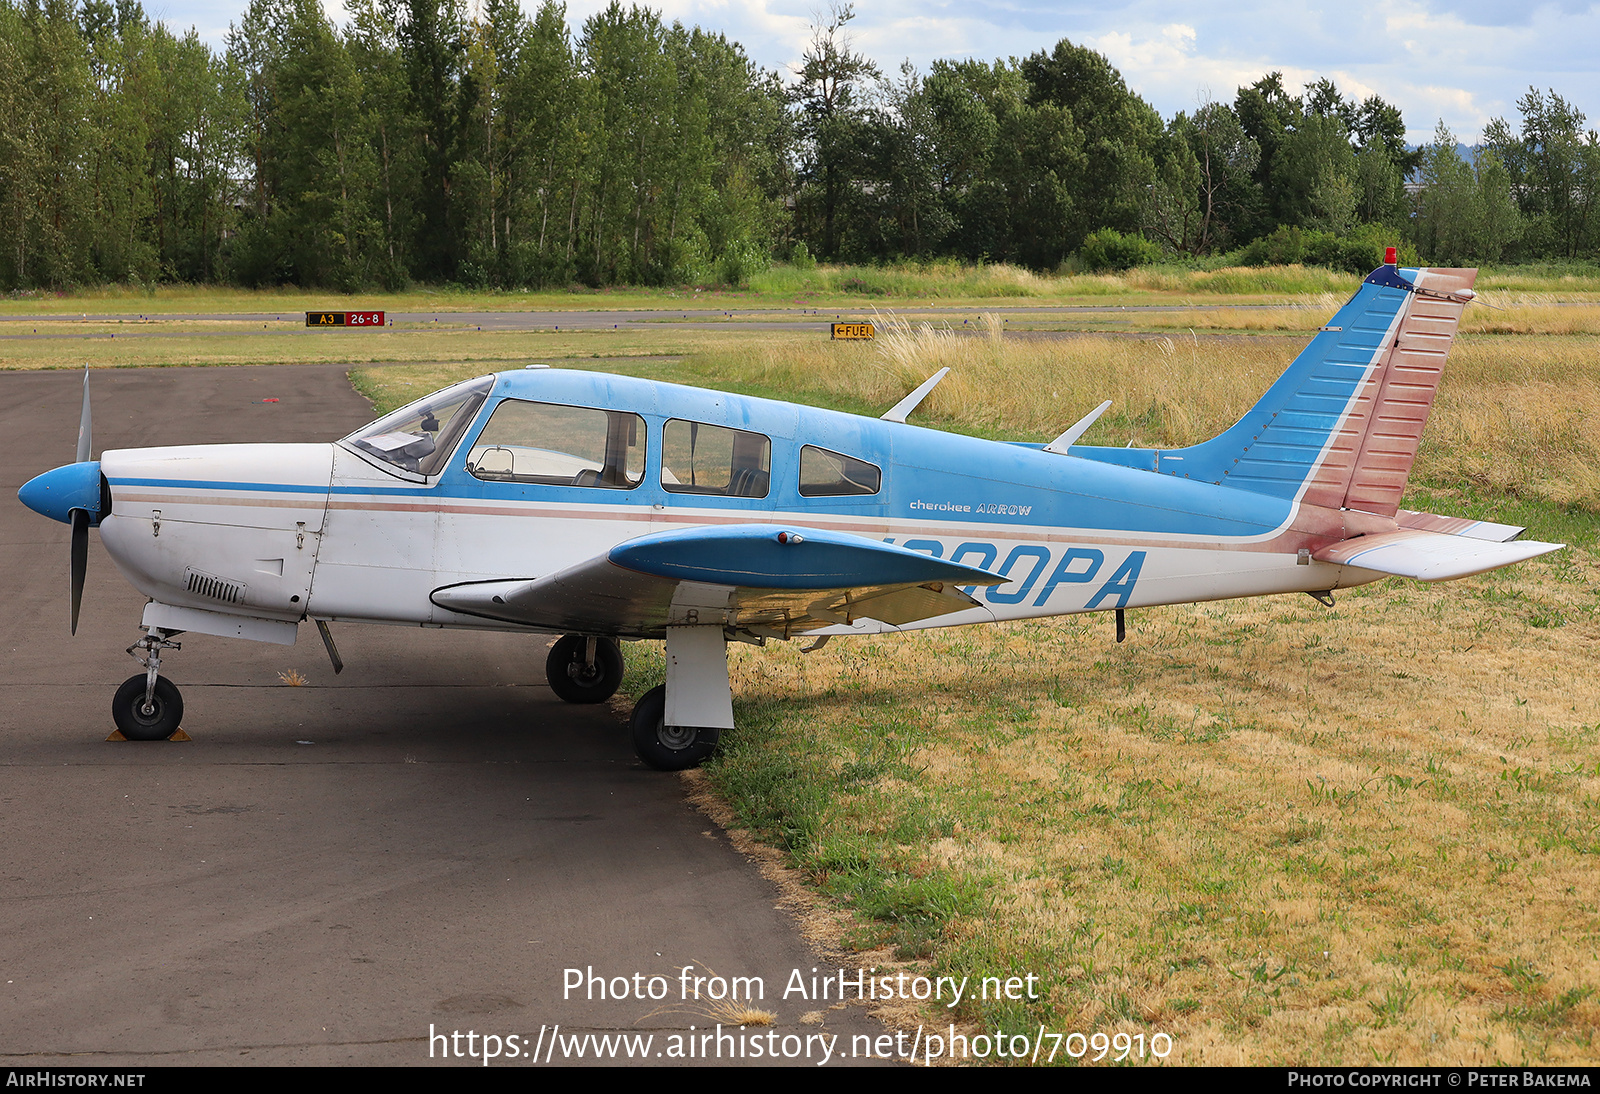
(1389, 258)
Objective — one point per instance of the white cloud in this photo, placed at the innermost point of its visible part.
(1463, 60)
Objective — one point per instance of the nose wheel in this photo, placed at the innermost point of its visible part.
(149, 707)
(152, 717)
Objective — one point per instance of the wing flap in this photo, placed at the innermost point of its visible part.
(1430, 556)
(742, 576)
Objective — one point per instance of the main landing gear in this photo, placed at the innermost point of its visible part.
(674, 726)
(148, 707)
(584, 670)
(664, 747)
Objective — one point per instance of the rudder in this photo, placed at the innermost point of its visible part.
(1367, 465)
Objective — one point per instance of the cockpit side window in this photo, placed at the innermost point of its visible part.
(825, 474)
(420, 437)
(710, 459)
(559, 445)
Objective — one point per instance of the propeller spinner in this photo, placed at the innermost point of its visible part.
(74, 494)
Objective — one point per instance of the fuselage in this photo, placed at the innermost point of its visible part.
(347, 531)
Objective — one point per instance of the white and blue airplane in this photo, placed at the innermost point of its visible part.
(603, 508)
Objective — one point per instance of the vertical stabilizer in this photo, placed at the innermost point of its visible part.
(1340, 427)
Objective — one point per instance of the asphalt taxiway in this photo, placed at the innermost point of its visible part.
(328, 872)
(1052, 318)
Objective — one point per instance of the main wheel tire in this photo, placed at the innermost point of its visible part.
(156, 724)
(577, 682)
(664, 747)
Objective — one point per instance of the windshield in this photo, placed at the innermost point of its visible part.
(420, 437)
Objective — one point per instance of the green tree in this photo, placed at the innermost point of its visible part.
(741, 212)
(1312, 175)
(1465, 212)
(1268, 114)
(549, 104)
(1554, 171)
(310, 142)
(193, 120)
(1379, 189)
(49, 133)
(1205, 193)
(1373, 191)
(831, 120)
(432, 39)
(19, 156)
(373, 44)
(1380, 123)
(1119, 133)
(634, 88)
(907, 199)
(127, 81)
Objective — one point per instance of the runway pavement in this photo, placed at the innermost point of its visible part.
(327, 873)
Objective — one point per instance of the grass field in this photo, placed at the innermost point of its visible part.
(1274, 831)
(784, 286)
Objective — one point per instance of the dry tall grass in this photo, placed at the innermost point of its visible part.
(1521, 313)
(1530, 313)
(1518, 416)
(1019, 385)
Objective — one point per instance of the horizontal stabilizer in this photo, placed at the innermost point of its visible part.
(1430, 556)
(1458, 526)
(765, 579)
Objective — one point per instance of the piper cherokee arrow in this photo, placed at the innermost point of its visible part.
(603, 508)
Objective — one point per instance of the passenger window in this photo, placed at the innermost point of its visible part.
(708, 459)
(560, 446)
(825, 474)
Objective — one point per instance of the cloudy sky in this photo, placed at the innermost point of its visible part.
(1465, 62)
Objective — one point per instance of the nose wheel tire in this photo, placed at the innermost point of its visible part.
(155, 723)
(571, 676)
(664, 747)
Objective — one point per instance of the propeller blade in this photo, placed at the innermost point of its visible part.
(84, 437)
(80, 560)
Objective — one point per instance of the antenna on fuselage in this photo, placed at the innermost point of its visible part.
(1070, 437)
(898, 412)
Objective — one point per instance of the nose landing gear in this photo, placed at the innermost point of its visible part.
(148, 707)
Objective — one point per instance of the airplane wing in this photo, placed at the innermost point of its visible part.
(1431, 556)
(769, 580)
